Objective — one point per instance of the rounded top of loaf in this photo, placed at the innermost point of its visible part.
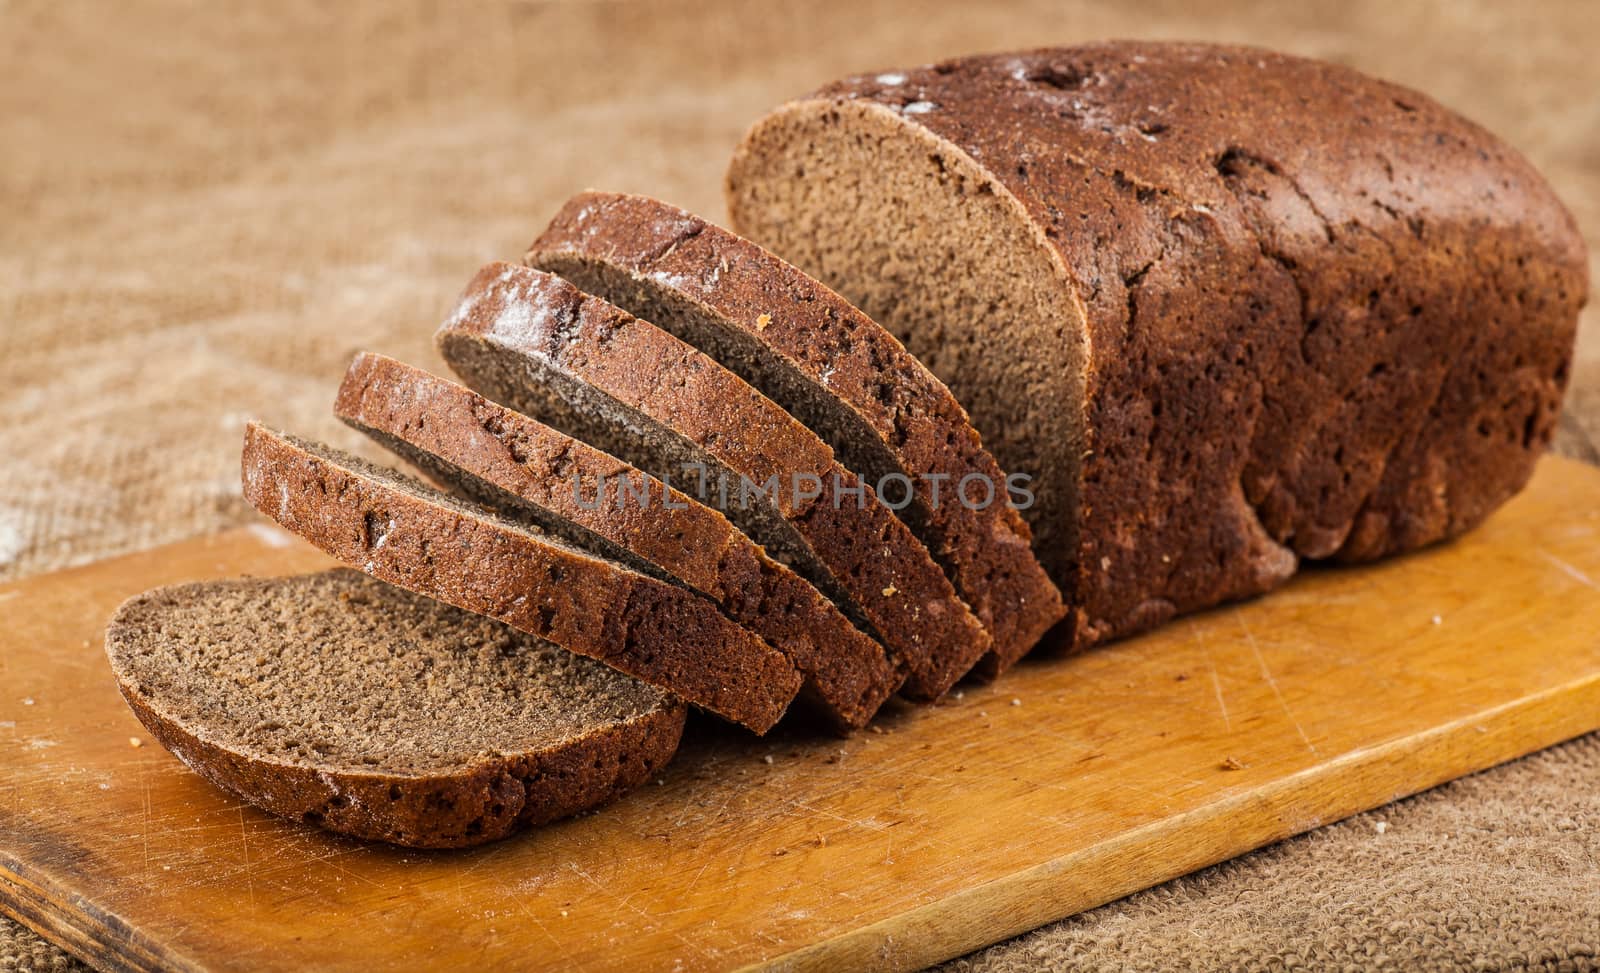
(1171, 119)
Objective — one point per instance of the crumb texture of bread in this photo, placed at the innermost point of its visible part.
(885, 415)
(337, 700)
(592, 499)
(1231, 308)
(536, 343)
(409, 534)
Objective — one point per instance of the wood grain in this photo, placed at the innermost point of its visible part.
(1069, 783)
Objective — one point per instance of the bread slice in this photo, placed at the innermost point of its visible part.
(597, 501)
(411, 535)
(340, 701)
(538, 344)
(832, 367)
(1230, 307)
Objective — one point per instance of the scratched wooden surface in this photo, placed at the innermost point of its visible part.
(1070, 783)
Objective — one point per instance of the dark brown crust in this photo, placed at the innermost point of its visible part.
(848, 673)
(654, 631)
(845, 355)
(891, 575)
(1356, 308)
(482, 802)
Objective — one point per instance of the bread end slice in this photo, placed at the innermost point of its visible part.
(336, 700)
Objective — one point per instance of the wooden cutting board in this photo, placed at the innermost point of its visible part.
(1071, 782)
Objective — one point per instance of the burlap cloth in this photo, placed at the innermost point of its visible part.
(204, 210)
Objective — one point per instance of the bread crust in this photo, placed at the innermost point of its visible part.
(1325, 317)
(482, 801)
(516, 311)
(844, 355)
(848, 674)
(649, 629)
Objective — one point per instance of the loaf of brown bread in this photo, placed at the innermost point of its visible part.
(595, 500)
(534, 342)
(409, 534)
(809, 350)
(1231, 308)
(337, 700)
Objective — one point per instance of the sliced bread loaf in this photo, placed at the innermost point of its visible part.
(409, 534)
(1231, 307)
(337, 700)
(596, 501)
(535, 342)
(832, 367)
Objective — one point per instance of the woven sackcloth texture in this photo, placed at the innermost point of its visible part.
(205, 209)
